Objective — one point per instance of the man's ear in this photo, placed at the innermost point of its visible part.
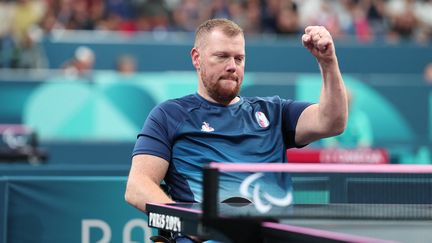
(195, 58)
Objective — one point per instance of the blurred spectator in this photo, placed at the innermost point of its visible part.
(81, 65)
(375, 13)
(6, 15)
(321, 12)
(8, 49)
(402, 19)
(27, 14)
(253, 17)
(31, 54)
(287, 18)
(219, 9)
(270, 9)
(188, 14)
(154, 13)
(8, 52)
(238, 13)
(423, 10)
(126, 65)
(50, 22)
(121, 8)
(427, 74)
(78, 16)
(19, 36)
(353, 20)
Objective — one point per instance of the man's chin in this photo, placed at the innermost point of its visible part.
(228, 86)
(225, 97)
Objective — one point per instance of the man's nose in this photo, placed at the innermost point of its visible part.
(231, 65)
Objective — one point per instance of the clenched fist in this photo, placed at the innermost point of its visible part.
(319, 42)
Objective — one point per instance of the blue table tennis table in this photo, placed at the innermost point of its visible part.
(370, 220)
(300, 223)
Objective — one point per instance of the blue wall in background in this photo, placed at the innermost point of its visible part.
(279, 55)
(97, 123)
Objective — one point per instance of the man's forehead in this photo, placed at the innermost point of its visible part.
(218, 32)
(220, 39)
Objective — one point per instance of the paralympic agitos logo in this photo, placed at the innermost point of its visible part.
(263, 206)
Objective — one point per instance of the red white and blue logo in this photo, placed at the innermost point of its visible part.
(206, 127)
(261, 119)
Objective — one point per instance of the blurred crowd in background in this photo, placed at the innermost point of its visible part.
(25, 22)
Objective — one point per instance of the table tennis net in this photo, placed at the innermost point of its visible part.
(332, 211)
(325, 193)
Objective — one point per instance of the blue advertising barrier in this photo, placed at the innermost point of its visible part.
(70, 209)
(3, 209)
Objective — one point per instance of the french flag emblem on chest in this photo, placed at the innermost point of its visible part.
(261, 119)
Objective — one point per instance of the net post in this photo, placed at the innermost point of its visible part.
(210, 192)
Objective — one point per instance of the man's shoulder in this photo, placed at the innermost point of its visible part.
(259, 99)
(186, 103)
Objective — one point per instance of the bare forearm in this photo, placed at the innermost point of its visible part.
(333, 105)
(145, 191)
(143, 186)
